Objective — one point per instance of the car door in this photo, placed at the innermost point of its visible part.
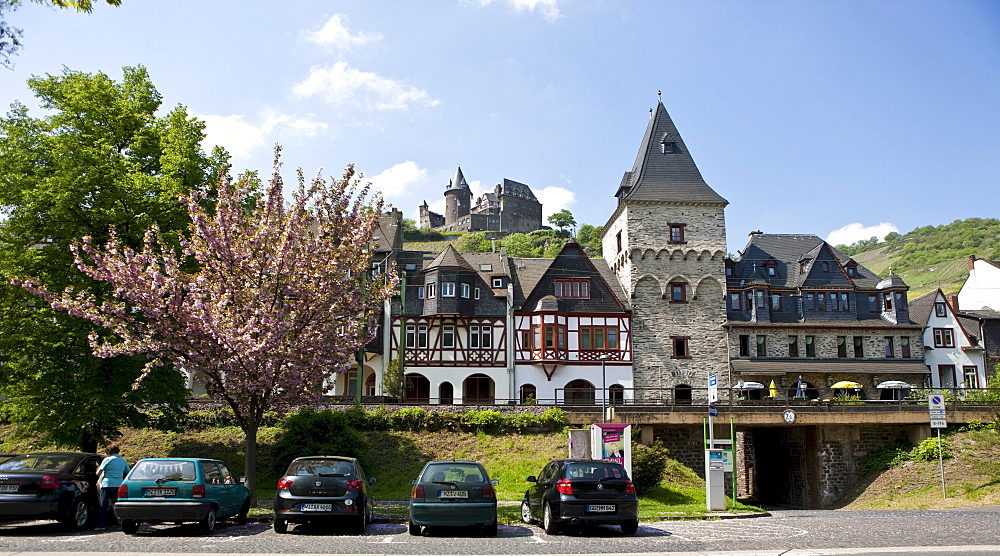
(539, 488)
(214, 489)
(234, 490)
(85, 478)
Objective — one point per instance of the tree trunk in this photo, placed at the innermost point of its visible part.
(250, 459)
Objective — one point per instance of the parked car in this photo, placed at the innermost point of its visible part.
(178, 490)
(323, 488)
(453, 493)
(50, 485)
(578, 491)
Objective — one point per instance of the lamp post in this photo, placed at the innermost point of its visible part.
(604, 386)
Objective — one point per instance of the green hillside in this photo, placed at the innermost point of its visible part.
(932, 256)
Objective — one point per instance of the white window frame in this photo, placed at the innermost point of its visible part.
(447, 289)
(465, 291)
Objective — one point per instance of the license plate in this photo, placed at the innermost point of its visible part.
(601, 508)
(9, 488)
(453, 494)
(317, 507)
(158, 492)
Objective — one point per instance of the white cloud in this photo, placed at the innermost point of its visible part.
(242, 138)
(342, 84)
(855, 231)
(553, 200)
(395, 181)
(548, 9)
(335, 33)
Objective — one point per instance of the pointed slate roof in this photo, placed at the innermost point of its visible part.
(660, 176)
(790, 251)
(458, 182)
(449, 258)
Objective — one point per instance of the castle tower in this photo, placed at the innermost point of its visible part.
(666, 243)
(457, 199)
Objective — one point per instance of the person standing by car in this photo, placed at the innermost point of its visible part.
(110, 476)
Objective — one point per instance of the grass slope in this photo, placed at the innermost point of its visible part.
(972, 478)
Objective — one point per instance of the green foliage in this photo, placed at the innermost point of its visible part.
(422, 234)
(391, 381)
(562, 219)
(928, 450)
(416, 419)
(315, 433)
(590, 238)
(520, 245)
(99, 157)
(648, 465)
(474, 242)
(884, 458)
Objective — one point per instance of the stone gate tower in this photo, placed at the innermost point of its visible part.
(666, 242)
(457, 198)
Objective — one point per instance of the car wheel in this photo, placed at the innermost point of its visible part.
(360, 524)
(241, 518)
(630, 527)
(548, 521)
(78, 516)
(130, 526)
(526, 512)
(414, 528)
(280, 525)
(208, 524)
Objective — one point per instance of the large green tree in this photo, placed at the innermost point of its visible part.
(99, 158)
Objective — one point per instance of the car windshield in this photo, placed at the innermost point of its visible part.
(595, 471)
(323, 467)
(167, 470)
(36, 462)
(453, 473)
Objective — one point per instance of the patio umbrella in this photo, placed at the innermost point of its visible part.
(773, 390)
(749, 385)
(846, 384)
(893, 384)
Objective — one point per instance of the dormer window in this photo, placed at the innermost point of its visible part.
(498, 282)
(668, 147)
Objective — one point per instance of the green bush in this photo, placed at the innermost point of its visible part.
(315, 433)
(884, 458)
(488, 420)
(928, 450)
(648, 465)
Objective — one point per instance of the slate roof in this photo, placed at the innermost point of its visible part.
(517, 189)
(572, 262)
(921, 307)
(389, 235)
(450, 258)
(789, 250)
(665, 177)
(458, 181)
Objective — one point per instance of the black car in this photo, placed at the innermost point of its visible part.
(581, 492)
(50, 485)
(323, 488)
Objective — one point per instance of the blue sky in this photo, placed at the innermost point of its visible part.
(844, 119)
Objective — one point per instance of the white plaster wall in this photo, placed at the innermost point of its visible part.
(982, 289)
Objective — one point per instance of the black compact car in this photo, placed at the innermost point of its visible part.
(50, 485)
(323, 488)
(581, 492)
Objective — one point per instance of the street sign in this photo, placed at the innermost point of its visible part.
(713, 390)
(937, 413)
(723, 441)
(935, 401)
(939, 424)
(713, 411)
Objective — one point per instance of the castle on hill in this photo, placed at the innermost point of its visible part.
(510, 208)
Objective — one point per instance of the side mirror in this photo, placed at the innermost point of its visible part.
(531, 479)
(243, 480)
(371, 480)
(494, 482)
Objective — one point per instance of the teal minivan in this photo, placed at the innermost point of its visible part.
(178, 490)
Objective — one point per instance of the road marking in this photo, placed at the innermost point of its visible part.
(538, 539)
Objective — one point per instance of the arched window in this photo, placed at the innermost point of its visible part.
(418, 388)
(478, 389)
(446, 393)
(682, 394)
(528, 394)
(616, 394)
(370, 385)
(579, 391)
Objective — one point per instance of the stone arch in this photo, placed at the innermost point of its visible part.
(709, 288)
(647, 286)
(677, 255)
(705, 255)
(648, 254)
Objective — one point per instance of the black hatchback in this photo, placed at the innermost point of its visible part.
(580, 492)
(50, 485)
(323, 489)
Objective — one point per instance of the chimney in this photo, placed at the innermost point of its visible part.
(972, 262)
(953, 301)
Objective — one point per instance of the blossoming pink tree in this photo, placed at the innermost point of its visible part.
(268, 298)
